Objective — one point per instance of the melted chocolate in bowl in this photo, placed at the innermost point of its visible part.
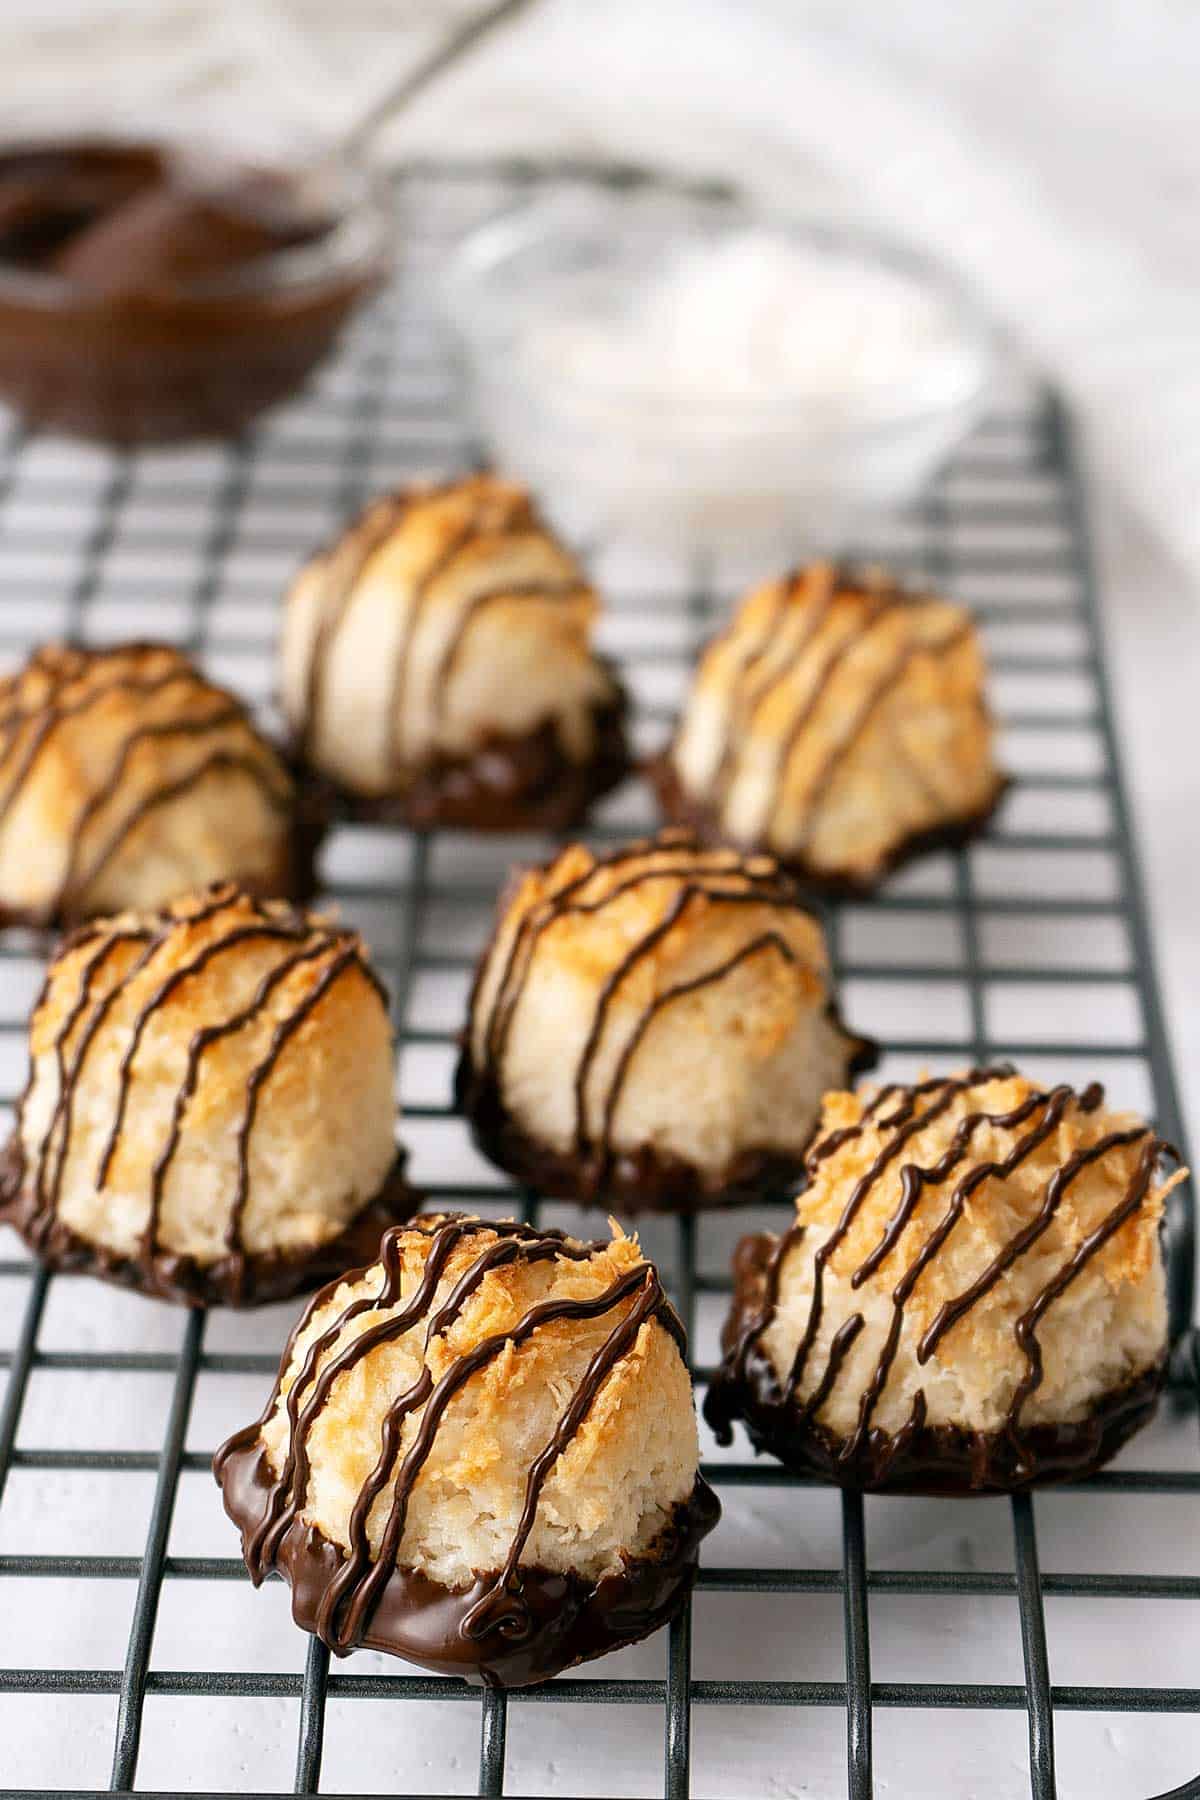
(147, 298)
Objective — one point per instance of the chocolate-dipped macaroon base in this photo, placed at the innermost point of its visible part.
(680, 808)
(240, 1279)
(515, 784)
(567, 1620)
(920, 1458)
(632, 1181)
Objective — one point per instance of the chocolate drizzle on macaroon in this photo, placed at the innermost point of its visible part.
(813, 628)
(920, 1456)
(507, 781)
(161, 700)
(513, 1625)
(31, 1187)
(594, 1167)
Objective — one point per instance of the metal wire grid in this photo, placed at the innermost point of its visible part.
(73, 528)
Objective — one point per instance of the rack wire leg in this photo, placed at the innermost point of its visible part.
(678, 1782)
(145, 1611)
(1033, 1646)
(311, 1743)
(858, 1649)
(493, 1737)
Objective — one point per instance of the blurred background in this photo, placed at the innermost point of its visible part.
(1046, 153)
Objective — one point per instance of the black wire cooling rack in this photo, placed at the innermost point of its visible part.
(1032, 945)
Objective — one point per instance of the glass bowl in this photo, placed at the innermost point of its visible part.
(610, 346)
(193, 357)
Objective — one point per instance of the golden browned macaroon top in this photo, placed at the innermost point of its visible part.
(444, 617)
(661, 895)
(997, 1155)
(210, 1080)
(127, 776)
(838, 716)
(666, 1004)
(510, 1323)
(181, 949)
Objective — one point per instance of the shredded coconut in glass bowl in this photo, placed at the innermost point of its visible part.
(673, 371)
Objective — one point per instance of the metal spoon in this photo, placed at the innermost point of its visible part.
(352, 144)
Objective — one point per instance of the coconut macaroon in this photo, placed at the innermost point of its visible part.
(480, 1454)
(127, 778)
(839, 722)
(972, 1296)
(653, 1027)
(210, 1113)
(438, 668)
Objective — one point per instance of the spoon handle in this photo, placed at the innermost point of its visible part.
(398, 94)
